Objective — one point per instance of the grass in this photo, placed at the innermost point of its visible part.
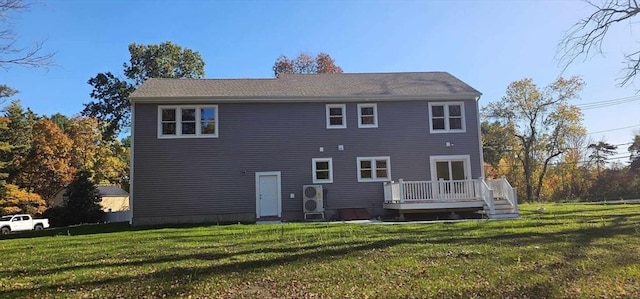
(567, 251)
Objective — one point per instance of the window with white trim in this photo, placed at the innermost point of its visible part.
(188, 121)
(367, 115)
(322, 170)
(446, 117)
(336, 116)
(374, 169)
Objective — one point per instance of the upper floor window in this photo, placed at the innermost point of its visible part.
(187, 121)
(446, 117)
(336, 116)
(372, 169)
(322, 170)
(367, 115)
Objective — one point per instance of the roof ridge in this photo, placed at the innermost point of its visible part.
(213, 79)
(300, 75)
(376, 73)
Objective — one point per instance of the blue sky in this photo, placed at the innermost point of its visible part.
(488, 44)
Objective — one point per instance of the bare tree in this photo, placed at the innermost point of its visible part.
(10, 52)
(587, 35)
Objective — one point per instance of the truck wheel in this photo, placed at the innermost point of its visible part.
(38, 227)
(6, 230)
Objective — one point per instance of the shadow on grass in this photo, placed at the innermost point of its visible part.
(576, 242)
(171, 275)
(100, 228)
(203, 256)
(581, 235)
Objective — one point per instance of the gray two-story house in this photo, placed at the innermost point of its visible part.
(298, 146)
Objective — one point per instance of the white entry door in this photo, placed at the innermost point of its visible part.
(268, 198)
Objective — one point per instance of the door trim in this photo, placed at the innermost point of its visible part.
(278, 182)
(465, 158)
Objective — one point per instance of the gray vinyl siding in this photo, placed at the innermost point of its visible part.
(203, 176)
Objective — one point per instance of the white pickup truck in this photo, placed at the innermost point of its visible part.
(22, 222)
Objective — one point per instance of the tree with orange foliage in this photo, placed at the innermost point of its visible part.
(48, 165)
(18, 201)
(306, 64)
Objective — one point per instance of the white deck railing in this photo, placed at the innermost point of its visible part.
(502, 189)
(410, 191)
(438, 191)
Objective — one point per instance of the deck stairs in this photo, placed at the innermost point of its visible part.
(502, 209)
(505, 201)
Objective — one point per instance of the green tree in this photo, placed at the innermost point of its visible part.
(543, 123)
(5, 150)
(306, 64)
(616, 183)
(82, 200)
(634, 149)
(600, 152)
(111, 94)
(61, 120)
(497, 140)
(5, 146)
(18, 134)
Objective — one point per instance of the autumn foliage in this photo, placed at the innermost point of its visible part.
(17, 201)
(306, 64)
(39, 155)
(48, 167)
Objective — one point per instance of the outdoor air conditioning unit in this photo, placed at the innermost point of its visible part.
(312, 199)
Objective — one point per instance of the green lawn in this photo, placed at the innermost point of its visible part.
(569, 250)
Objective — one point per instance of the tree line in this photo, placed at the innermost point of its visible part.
(40, 154)
(535, 138)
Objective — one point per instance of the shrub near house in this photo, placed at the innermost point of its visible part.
(81, 203)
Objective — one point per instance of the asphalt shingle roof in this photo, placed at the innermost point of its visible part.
(112, 191)
(310, 85)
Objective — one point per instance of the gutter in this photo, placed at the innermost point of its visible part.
(287, 99)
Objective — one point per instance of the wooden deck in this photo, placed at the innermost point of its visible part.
(496, 197)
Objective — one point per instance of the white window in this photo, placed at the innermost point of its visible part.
(446, 117)
(336, 116)
(374, 169)
(187, 121)
(367, 115)
(322, 170)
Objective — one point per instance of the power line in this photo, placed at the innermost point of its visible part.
(607, 103)
(610, 130)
